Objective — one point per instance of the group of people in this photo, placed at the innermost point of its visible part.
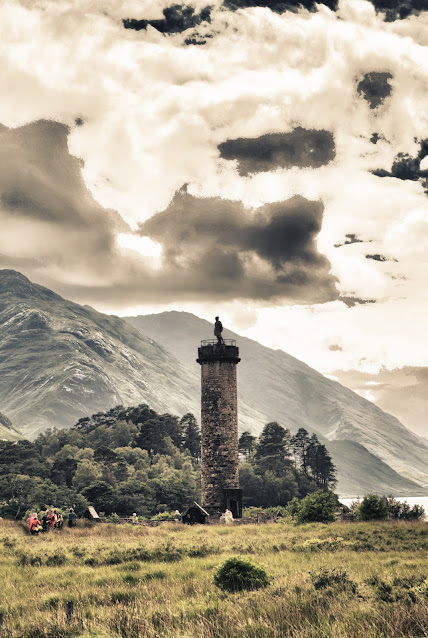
(51, 519)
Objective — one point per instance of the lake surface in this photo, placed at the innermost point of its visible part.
(412, 500)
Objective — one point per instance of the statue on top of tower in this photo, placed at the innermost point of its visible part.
(218, 329)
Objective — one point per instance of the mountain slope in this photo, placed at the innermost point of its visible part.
(60, 361)
(273, 385)
(372, 475)
(7, 431)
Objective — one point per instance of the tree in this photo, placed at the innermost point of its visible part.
(320, 465)
(21, 487)
(151, 436)
(372, 508)
(100, 494)
(63, 471)
(171, 426)
(191, 435)
(246, 443)
(317, 507)
(301, 444)
(272, 449)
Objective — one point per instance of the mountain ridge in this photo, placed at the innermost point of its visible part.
(91, 361)
(60, 361)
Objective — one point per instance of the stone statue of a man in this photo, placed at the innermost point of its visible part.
(218, 329)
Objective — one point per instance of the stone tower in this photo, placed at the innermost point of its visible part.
(219, 418)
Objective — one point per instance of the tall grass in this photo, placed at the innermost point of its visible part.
(340, 580)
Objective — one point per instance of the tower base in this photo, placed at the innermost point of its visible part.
(232, 500)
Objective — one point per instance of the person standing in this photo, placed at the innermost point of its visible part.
(72, 516)
(45, 522)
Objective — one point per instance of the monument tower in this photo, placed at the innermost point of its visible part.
(218, 359)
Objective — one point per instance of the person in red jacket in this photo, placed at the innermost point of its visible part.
(51, 519)
(34, 525)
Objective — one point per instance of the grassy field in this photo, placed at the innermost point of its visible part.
(343, 579)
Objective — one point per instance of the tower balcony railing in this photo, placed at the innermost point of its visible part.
(214, 350)
(215, 342)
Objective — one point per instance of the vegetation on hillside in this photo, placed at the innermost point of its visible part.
(135, 460)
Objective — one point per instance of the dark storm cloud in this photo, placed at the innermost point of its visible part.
(279, 7)
(399, 9)
(354, 301)
(350, 238)
(177, 19)
(375, 87)
(46, 210)
(212, 248)
(377, 257)
(406, 167)
(217, 247)
(302, 147)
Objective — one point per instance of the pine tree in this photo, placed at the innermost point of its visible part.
(273, 449)
(246, 443)
(191, 435)
(320, 465)
(301, 444)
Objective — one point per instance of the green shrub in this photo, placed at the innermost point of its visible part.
(56, 559)
(333, 578)
(163, 516)
(372, 508)
(236, 574)
(293, 507)
(317, 507)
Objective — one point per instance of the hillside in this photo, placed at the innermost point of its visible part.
(7, 431)
(60, 361)
(361, 472)
(275, 386)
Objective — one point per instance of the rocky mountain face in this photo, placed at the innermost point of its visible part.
(60, 361)
(7, 431)
(273, 385)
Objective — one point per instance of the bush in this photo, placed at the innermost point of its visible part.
(318, 507)
(163, 516)
(415, 513)
(333, 578)
(56, 559)
(373, 508)
(236, 574)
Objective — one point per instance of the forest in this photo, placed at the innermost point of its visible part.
(130, 460)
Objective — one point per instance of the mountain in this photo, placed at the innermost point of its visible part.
(273, 385)
(401, 391)
(361, 472)
(7, 431)
(60, 361)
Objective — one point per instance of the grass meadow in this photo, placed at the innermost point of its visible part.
(111, 581)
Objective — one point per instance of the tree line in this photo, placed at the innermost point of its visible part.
(278, 467)
(133, 459)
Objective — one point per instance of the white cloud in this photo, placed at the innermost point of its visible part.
(142, 245)
(154, 112)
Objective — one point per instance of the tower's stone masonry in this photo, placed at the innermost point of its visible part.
(219, 412)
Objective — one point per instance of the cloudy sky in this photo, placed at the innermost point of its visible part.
(259, 160)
